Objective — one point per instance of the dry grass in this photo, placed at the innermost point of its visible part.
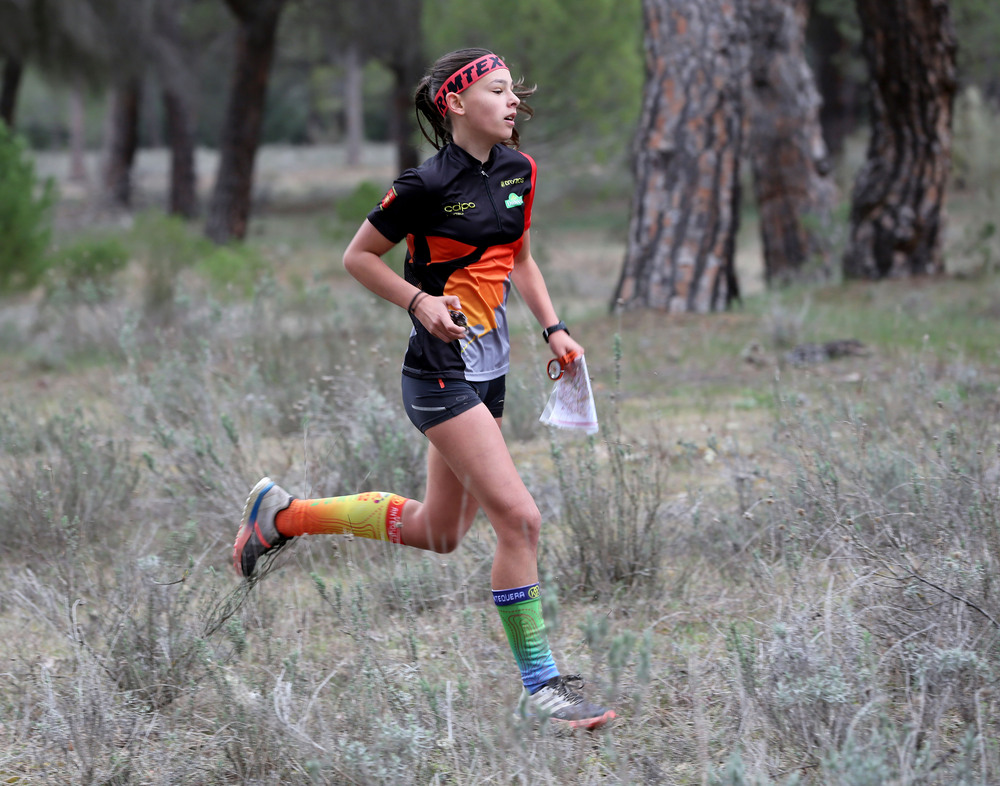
(777, 574)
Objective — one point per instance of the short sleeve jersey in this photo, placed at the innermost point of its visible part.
(464, 223)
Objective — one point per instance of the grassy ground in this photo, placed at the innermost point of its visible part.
(776, 572)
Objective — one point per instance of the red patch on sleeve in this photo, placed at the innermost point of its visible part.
(388, 198)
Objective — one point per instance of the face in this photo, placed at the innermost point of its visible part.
(488, 108)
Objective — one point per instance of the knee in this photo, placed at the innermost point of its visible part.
(523, 522)
(446, 543)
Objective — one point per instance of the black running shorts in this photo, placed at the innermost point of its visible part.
(432, 401)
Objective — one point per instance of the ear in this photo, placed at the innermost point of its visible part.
(455, 105)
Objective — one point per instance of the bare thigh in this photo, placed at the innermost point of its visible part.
(470, 467)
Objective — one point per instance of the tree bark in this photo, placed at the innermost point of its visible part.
(180, 136)
(229, 209)
(401, 122)
(406, 63)
(175, 64)
(12, 71)
(793, 183)
(898, 203)
(681, 245)
(122, 142)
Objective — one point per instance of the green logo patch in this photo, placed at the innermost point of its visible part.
(513, 200)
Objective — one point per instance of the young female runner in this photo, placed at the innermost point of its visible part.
(465, 215)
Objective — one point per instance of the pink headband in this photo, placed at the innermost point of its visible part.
(465, 77)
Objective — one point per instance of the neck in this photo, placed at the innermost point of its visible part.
(478, 149)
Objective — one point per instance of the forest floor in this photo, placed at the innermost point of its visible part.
(701, 573)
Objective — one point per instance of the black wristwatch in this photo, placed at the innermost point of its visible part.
(560, 325)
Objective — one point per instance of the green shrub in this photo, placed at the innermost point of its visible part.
(86, 266)
(24, 216)
(232, 268)
(164, 246)
(353, 208)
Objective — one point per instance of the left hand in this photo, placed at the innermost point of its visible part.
(562, 342)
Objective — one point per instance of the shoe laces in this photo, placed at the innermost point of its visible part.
(567, 685)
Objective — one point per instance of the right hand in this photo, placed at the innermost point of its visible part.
(433, 313)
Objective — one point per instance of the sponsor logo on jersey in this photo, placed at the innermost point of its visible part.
(459, 208)
(512, 182)
(513, 200)
(388, 198)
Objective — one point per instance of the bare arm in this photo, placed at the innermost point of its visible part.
(530, 283)
(363, 260)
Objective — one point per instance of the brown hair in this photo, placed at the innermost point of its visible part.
(444, 67)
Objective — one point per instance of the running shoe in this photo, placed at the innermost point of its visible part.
(257, 533)
(559, 701)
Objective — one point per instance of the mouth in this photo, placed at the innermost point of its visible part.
(511, 118)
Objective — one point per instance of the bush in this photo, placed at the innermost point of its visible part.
(86, 266)
(24, 216)
(233, 268)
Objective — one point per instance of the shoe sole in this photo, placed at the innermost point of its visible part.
(588, 723)
(248, 522)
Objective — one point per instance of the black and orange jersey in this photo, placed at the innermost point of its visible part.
(464, 223)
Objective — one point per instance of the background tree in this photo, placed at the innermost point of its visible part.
(66, 41)
(357, 32)
(256, 32)
(685, 211)
(173, 56)
(792, 171)
(589, 81)
(898, 204)
(122, 142)
(129, 25)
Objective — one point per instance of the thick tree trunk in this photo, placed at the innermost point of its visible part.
(402, 122)
(180, 132)
(792, 171)
(229, 210)
(174, 61)
(898, 204)
(122, 143)
(12, 71)
(681, 245)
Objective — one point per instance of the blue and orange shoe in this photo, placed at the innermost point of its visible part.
(257, 533)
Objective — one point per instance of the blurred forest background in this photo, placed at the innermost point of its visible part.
(777, 560)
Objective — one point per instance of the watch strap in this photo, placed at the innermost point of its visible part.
(560, 325)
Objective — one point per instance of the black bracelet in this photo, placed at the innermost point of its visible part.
(413, 303)
(560, 325)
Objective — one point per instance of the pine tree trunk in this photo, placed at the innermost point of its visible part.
(793, 183)
(681, 245)
(898, 204)
(180, 132)
(175, 60)
(122, 143)
(12, 71)
(229, 210)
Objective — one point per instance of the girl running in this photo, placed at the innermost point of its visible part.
(465, 215)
